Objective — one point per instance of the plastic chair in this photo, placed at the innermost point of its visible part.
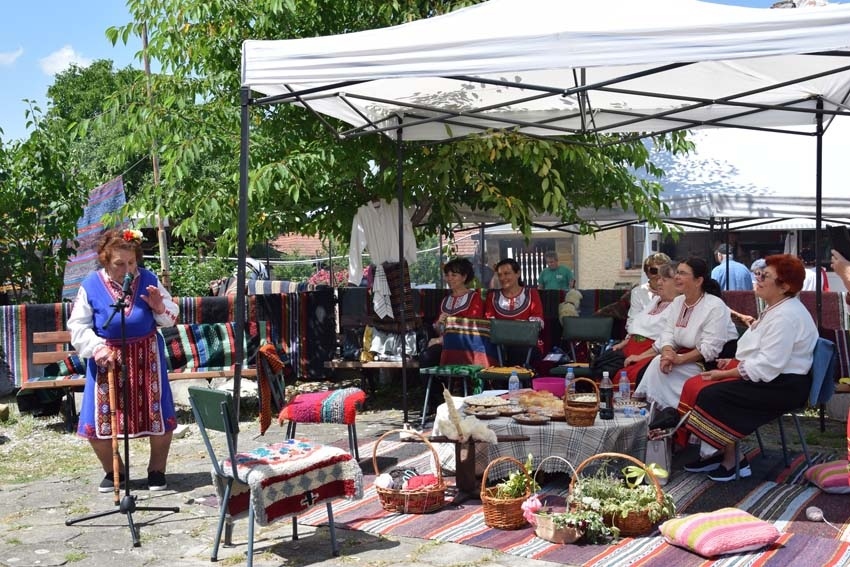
(213, 411)
(823, 387)
(506, 333)
(583, 329)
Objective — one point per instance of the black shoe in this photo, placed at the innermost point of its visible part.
(723, 474)
(108, 483)
(156, 481)
(705, 465)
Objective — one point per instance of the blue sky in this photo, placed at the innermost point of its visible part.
(39, 38)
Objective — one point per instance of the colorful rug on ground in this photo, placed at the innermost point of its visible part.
(773, 493)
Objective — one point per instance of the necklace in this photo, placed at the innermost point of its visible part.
(694, 304)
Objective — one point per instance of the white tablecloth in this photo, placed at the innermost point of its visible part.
(620, 435)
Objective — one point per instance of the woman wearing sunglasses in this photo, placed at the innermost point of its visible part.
(768, 376)
(697, 328)
(648, 325)
(642, 295)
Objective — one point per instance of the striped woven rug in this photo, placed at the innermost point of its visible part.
(773, 493)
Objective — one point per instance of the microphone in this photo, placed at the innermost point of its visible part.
(128, 280)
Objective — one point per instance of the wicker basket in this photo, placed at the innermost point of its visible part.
(503, 513)
(419, 501)
(635, 523)
(545, 527)
(581, 414)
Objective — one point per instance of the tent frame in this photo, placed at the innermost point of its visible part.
(413, 114)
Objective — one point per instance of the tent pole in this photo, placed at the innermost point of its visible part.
(403, 314)
(818, 211)
(241, 247)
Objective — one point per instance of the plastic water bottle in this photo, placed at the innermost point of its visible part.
(513, 387)
(625, 387)
(570, 382)
(606, 397)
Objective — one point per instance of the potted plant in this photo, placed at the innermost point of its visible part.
(630, 506)
(568, 526)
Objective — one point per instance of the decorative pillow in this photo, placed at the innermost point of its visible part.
(728, 530)
(832, 477)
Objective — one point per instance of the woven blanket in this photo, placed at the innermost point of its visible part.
(108, 198)
(467, 341)
(290, 477)
(334, 406)
(17, 324)
(208, 346)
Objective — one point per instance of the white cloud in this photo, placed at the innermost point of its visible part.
(9, 57)
(60, 60)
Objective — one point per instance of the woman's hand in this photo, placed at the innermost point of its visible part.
(712, 375)
(722, 363)
(104, 356)
(154, 299)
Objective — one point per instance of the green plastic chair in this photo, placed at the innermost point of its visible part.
(213, 411)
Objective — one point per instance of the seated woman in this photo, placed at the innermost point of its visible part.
(514, 301)
(648, 325)
(460, 302)
(768, 376)
(698, 326)
(642, 295)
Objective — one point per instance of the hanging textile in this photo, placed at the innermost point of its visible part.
(376, 229)
(107, 198)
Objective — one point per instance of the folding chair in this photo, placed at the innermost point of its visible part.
(507, 333)
(326, 472)
(591, 330)
(823, 387)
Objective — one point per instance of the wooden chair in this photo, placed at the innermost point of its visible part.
(313, 473)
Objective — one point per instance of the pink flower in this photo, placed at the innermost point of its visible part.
(530, 507)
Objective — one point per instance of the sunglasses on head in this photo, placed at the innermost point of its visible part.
(652, 271)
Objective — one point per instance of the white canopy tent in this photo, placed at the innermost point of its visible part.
(561, 67)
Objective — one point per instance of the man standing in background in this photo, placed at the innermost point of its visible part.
(554, 276)
(738, 276)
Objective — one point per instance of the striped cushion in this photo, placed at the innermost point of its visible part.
(728, 530)
(830, 477)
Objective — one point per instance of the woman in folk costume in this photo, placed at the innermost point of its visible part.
(148, 304)
(698, 326)
(642, 295)
(514, 301)
(768, 376)
(648, 325)
(460, 302)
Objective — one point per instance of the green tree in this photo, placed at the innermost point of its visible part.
(41, 199)
(302, 179)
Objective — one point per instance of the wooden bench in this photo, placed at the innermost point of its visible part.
(369, 367)
(71, 383)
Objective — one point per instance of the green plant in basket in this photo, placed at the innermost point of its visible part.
(518, 483)
(587, 522)
(611, 496)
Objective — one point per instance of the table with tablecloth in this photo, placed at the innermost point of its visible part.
(623, 434)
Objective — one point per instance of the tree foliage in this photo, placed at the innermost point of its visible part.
(301, 178)
(41, 198)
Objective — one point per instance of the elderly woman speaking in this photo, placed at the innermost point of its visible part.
(768, 376)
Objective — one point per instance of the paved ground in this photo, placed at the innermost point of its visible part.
(33, 515)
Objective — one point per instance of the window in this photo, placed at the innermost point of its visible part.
(635, 246)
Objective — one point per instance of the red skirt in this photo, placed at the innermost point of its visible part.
(689, 398)
(636, 345)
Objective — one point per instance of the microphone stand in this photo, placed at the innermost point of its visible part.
(127, 504)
